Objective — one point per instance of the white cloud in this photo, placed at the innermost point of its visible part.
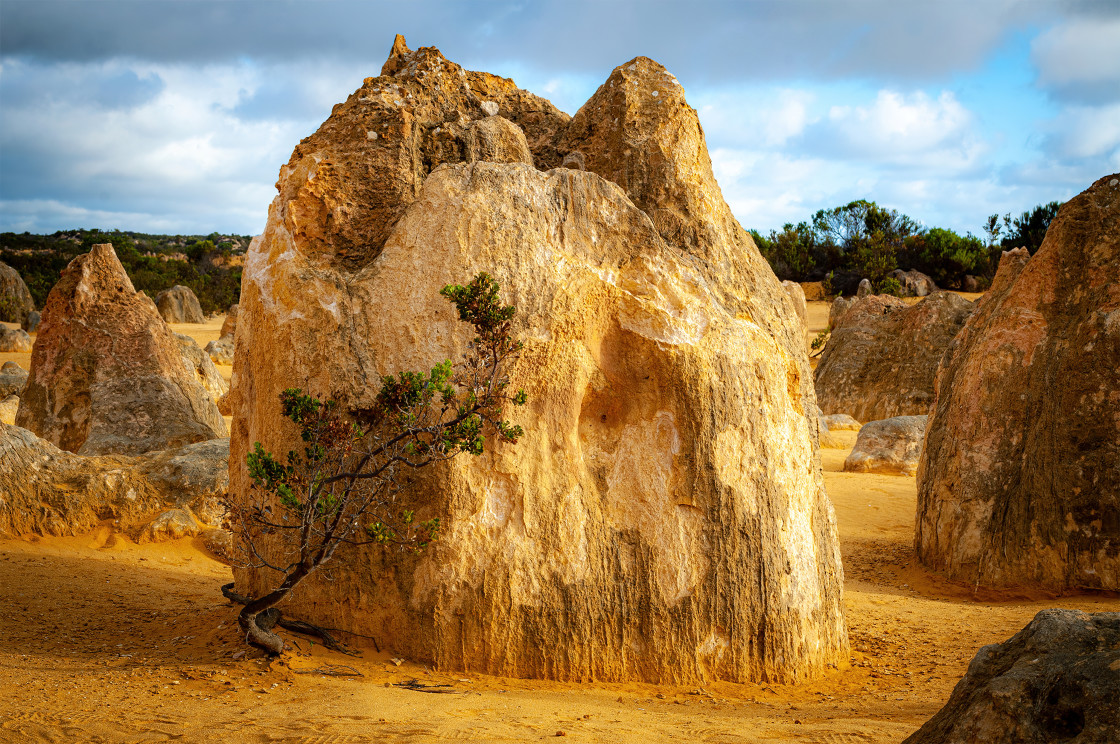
(1086, 132)
(1080, 59)
(755, 116)
(904, 130)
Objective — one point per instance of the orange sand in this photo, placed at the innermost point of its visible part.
(108, 641)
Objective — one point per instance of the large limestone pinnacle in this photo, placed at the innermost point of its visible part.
(664, 516)
(1019, 481)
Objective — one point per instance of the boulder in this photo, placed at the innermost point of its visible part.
(31, 322)
(971, 283)
(814, 291)
(179, 305)
(14, 340)
(8, 408)
(1020, 481)
(229, 325)
(864, 289)
(841, 422)
(882, 356)
(668, 462)
(497, 140)
(828, 439)
(200, 364)
(837, 309)
(16, 303)
(913, 283)
(12, 379)
(53, 492)
(221, 350)
(891, 446)
(797, 296)
(107, 374)
(1057, 679)
(171, 525)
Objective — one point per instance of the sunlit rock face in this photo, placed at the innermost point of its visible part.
(1019, 481)
(107, 374)
(663, 518)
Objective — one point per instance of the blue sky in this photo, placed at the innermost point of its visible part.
(175, 116)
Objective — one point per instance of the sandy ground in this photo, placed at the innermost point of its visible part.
(103, 640)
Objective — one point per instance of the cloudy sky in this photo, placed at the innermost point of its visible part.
(175, 116)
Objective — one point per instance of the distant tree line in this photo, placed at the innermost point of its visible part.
(153, 262)
(863, 240)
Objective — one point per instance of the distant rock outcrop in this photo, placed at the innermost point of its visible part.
(891, 446)
(12, 379)
(14, 340)
(837, 309)
(16, 302)
(229, 325)
(913, 283)
(53, 492)
(200, 363)
(107, 374)
(31, 322)
(668, 460)
(220, 350)
(179, 305)
(1020, 479)
(1056, 680)
(882, 357)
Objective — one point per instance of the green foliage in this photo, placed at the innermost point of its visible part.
(947, 257)
(346, 486)
(820, 340)
(41, 258)
(889, 286)
(1029, 229)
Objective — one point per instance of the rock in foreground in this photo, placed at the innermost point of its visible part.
(53, 492)
(891, 446)
(624, 536)
(1020, 480)
(179, 305)
(882, 357)
(107, 374)
(1058, 679)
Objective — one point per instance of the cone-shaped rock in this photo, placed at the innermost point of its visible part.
(107, 374)
(881, 359)
(16, 303)
(663, 518)
(1019, 481)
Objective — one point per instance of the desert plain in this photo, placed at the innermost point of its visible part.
(106, 640)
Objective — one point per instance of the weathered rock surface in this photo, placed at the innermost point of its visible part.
(107, 374)
(797, 297)
(882, 357)
(220, 350)
(31, 322)
(624, 536)
(837, 309)
(171, 525)
(891, 446)
(12, 379)
(864, 289)
(914, 283)
(1057, 679)
(841, 422)
(16, 302)
(50, 491)
(1020, 481)
(179, 305)
(201, 365)
(229, 325)
(14, 340)
(8, 408)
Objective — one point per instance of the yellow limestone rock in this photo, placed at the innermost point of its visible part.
(663, 518)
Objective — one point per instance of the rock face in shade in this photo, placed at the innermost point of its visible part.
(891, 446)
(624, 536)
(16, 303)
(1056, 680)
(14, 340)
(229, 325)
(1020, 479)
(797, 297)
(53, 492)
(882, 357)
(107, 374)
(12, 379)
(31, 322)
(179, 305)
